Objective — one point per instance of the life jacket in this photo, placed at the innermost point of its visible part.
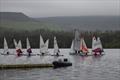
(19, 52)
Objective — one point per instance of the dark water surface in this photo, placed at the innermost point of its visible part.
(106, 67)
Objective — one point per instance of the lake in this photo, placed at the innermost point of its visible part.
(106, 67)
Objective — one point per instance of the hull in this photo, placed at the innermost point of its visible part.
(43, 54)
(80, 54)
(58, 64)
(84, 54)
(57, 55)
(72, 53)
(98, 55)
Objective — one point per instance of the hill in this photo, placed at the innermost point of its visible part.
(13, 16)
(87, 23)
(20, 21)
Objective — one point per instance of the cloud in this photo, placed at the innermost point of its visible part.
(46, 8)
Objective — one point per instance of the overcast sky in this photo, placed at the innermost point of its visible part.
(49, 8)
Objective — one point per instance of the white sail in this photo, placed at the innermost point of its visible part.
(72, 47)
(29, 51)
(19, 45)
(93, 43)
(28, 44)
(15, 43)
(5, 47)
(56, 48)
(42, 45)
(46, 46)
(77, 41)
(99, 43)
(81, 43)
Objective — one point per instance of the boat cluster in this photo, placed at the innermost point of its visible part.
(78, 47)
(43, 48)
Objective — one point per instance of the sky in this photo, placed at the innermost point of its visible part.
(52, 8)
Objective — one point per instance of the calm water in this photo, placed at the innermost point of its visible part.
(106, 67)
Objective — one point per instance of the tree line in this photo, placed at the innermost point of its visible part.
(110, 39)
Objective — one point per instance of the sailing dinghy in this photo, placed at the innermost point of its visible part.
(76, 44)
(29, 50)
(83, 48)
(6, 50)
(43, 46)
(56, 48)
(97, 48)
(19, 49)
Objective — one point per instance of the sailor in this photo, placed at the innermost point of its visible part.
(19, 52)
(42, 54)
(29, 51)
(8, 53)
(95, 53)
(57, 54)
(86, 53)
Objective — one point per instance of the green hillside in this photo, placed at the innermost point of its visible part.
(20, 21)
(28, 25)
